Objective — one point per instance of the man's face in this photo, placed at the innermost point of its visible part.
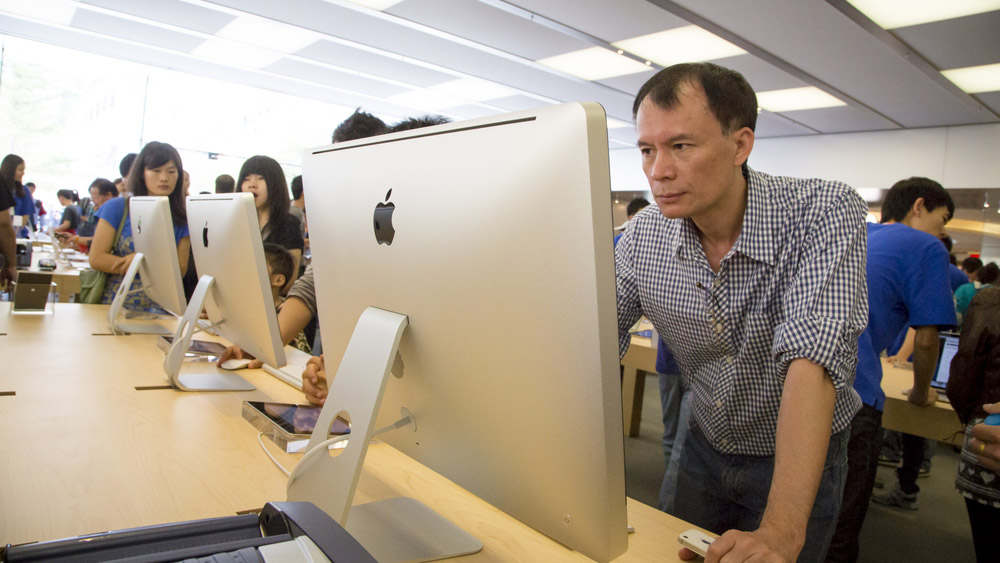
(690, 164)
(931, 222)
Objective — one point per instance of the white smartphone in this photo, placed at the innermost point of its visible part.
(695, 540)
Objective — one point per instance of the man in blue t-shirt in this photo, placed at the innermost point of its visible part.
(907, 284)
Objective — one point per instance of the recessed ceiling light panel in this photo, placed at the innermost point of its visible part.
(793, 99)
(975, 79)
(268, 34)
(594, 63)
(680, 45)
(890, 14)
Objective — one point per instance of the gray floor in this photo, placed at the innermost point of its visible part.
(937, 531)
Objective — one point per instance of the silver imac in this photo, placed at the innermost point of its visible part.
(156, 264)
(493, 238)
(233, 288)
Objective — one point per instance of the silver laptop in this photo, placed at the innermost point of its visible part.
(948, 347)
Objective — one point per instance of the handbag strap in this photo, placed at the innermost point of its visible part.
(118, 233)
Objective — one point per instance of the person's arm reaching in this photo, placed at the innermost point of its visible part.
(925, 357)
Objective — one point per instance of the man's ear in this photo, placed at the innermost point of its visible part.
(744, 144)
(278, 280)
(919, 207)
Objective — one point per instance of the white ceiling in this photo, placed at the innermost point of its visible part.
(362, 57)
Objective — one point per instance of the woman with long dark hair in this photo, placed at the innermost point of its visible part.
(157, 172)
(262, 176)
(11, 173)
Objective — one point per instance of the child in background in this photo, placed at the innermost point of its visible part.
(280, 268)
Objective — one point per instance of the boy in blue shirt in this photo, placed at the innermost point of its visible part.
(907, 284)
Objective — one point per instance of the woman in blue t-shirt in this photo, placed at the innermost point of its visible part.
(157, 172)
(11, 173)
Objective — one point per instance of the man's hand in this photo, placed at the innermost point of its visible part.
(925, 398)
(762, 545)
(986, 441)
(314, 381)
(234, 352)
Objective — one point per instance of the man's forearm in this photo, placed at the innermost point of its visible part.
(925, 357)
(805, 419)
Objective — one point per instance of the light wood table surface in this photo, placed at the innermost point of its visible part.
(938, 422)
(84, 451)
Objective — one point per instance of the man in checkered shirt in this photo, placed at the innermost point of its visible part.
(757, 284)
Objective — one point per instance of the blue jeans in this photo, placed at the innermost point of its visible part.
(675, 400)
(722, 492)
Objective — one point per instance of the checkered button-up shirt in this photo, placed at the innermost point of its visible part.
(793, 286)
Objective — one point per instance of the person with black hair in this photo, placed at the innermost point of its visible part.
(907, 279)
(298, 207)
(157, 171)
(359, 125)
(634, 206)
(12, 171)
(101, 191)
(70, 220)
(263, 177)
(224, 184)
(418, 122)
(956, 277)
(982, 277)
(8, 238)
(973, 390)
(756, 284)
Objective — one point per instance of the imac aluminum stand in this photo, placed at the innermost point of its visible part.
(174, 356)
(398, 529)
(119, 302)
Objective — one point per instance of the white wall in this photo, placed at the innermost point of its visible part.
(958, 157)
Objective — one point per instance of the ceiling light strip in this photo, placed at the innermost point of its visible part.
(766, 56)
(909, 55)
(477, 46)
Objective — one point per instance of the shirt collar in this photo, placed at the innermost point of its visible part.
(756, 239)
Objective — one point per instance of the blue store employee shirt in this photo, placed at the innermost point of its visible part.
(908, 284)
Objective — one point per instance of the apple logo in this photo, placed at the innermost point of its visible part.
(138, 225)
(204, 234)
(384, 232)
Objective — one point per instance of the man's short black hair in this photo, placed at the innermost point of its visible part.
(126, 163)
(359, 125)
(971, 265)
(730, 98)
(904, 193)
(297, 187)
(225, 184)
(418, 122)
(635, 206)
(989, 273)
(279, 260)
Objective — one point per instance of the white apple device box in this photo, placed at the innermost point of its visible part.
(696, 541)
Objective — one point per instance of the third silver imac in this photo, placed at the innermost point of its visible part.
(233, 287)
(493, 238)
